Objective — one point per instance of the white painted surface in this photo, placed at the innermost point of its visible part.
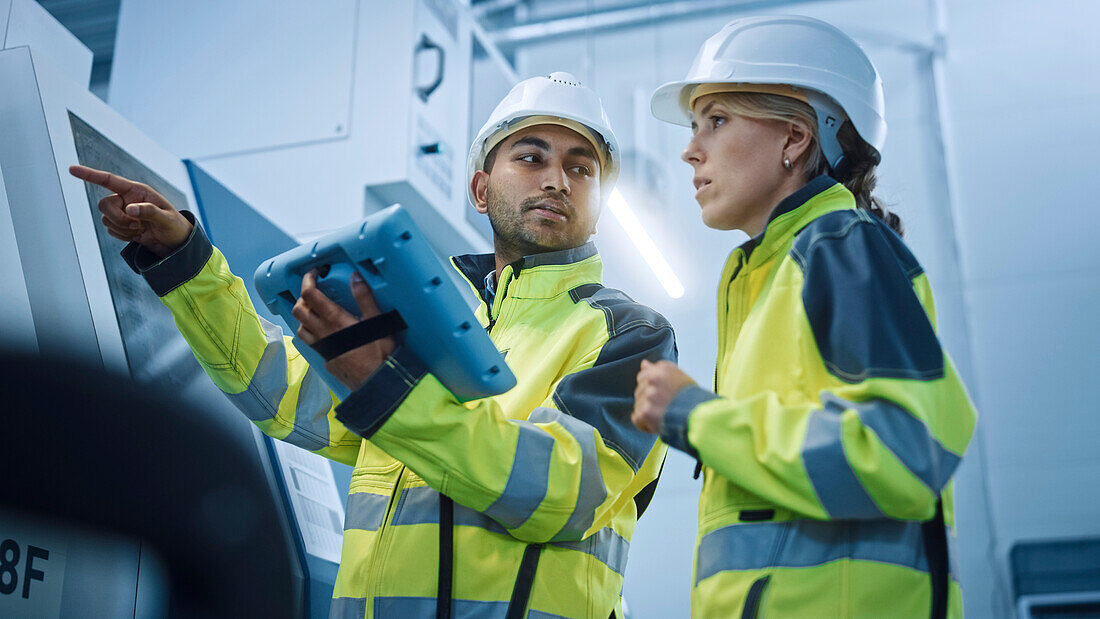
(1025, 123)
(15, 312)
(26, 23)
(211, 78)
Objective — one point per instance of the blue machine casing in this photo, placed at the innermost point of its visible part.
(394, 258)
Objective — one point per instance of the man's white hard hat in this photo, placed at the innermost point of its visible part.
(557, 99)
(796, 56)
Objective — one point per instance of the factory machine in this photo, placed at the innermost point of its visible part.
(338, 110)
(321, 112)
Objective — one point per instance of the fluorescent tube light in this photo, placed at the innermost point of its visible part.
(653, 257)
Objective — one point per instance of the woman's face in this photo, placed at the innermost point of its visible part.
(738, 162)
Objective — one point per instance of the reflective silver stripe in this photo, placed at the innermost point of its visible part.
(265, 392)
(606, 545)
(592, 492)
(528, 479)
(460, 609)
(909, 439)
(268, 385)
(365, 511)
(348, 608)
(808, 543)
(311, 414)
(421, 506)
(835, 483)
(425, 607)
(417, 506)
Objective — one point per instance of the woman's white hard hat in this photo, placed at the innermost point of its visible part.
(826, 68)
(556, 99)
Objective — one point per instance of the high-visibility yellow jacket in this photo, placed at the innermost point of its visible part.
(835, 426)
(553, 464)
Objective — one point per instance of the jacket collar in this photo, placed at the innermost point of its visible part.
(821, 195)
(536, 276)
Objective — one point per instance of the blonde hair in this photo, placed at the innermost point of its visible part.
(858, 171)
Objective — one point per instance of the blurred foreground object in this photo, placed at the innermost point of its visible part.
(86, 448)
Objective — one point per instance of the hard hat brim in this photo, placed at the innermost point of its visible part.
(670, 104)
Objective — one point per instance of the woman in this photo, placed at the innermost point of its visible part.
(838, 419)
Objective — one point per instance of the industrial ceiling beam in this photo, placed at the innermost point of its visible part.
(580, 24)
(482, 9)
(485, 41)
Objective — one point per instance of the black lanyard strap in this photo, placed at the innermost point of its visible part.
(525, 580)
(359, 334)
(446, 557)
(934, 534)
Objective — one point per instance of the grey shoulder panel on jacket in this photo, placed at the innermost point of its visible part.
(620, 311)
(842, 224)
(603, 395)
(858, 295)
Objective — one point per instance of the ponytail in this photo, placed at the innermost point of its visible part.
(857, 172)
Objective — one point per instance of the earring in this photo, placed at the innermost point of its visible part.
(786, 163)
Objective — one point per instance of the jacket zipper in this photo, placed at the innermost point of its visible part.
(738, 308)
(724, 318)
(374, 575)
(498, 301)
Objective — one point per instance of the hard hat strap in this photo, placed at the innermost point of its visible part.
(830, 117)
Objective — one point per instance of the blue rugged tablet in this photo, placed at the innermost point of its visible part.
(420, 305)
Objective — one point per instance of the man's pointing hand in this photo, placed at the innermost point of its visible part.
(136, 212)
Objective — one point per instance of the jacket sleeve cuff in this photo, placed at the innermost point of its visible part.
(674, 426)
(374, 402)
(166, 274)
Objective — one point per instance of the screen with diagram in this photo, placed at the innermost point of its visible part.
(154, 349)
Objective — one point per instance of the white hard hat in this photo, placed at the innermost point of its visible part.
(825, 67)
(557, 99)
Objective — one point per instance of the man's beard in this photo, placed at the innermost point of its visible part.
(515, 235)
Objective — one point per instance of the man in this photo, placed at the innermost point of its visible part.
(521, 502)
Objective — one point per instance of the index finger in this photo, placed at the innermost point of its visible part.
(363, 294)
(106, 180)
(309, 280)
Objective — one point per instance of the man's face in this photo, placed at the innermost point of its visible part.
(542, 192)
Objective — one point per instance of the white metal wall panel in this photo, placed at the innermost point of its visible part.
(211, 78)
